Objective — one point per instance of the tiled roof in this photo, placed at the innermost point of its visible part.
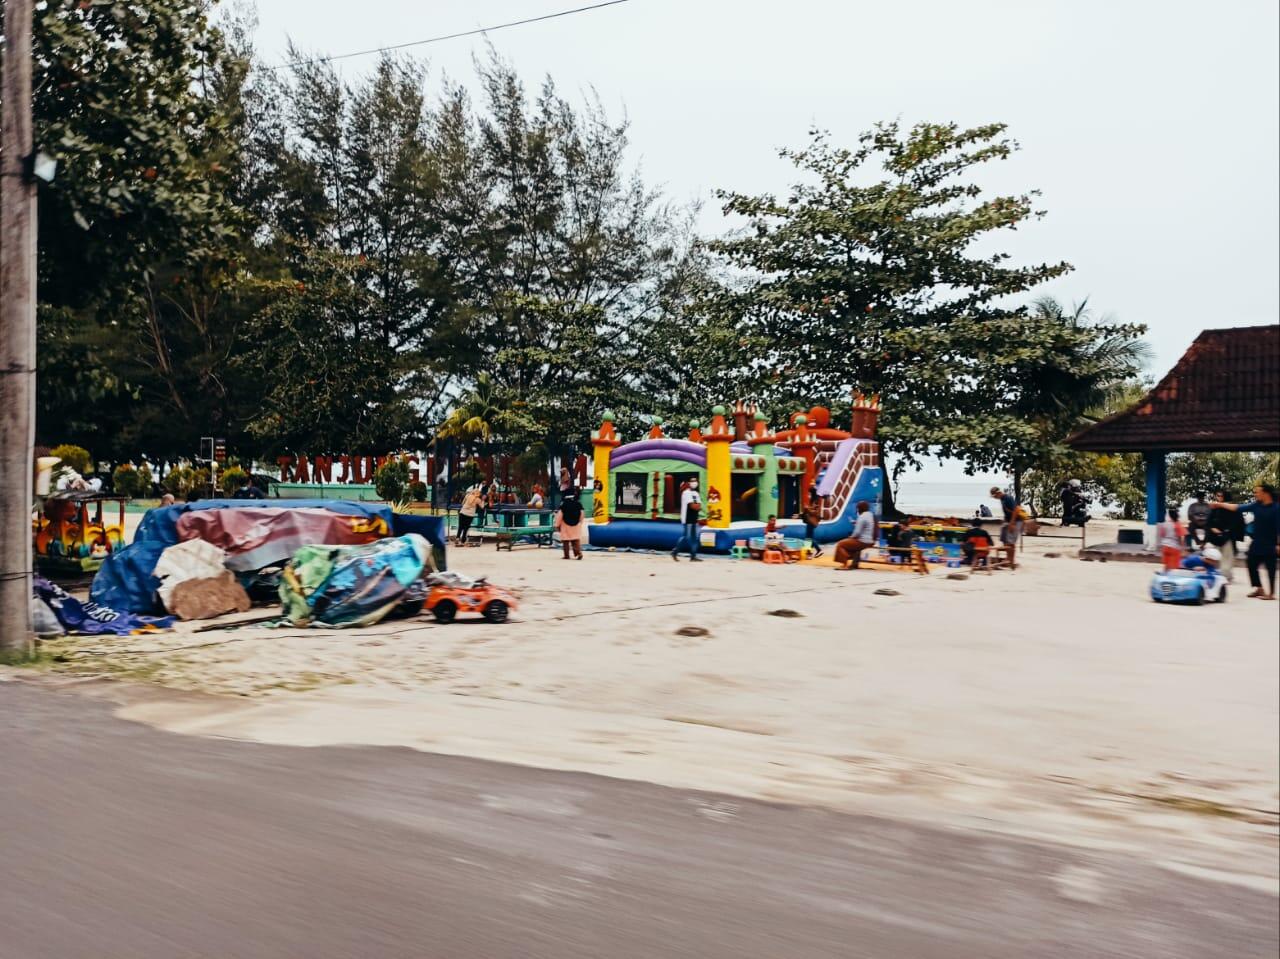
(1223, 395)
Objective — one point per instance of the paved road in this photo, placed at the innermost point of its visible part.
(122, 842)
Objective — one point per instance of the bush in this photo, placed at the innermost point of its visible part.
(182, 481)
(231, 479)
(179, 481)
(77, 457)
(391, 480)
(131, 482)
(418, 491)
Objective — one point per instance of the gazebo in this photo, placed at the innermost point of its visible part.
(1223, 396)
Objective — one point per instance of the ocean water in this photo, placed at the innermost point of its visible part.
(944, 499)
(957, 499)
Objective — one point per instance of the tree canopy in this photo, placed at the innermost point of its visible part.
(306, 263)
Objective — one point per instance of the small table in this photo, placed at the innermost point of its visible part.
(514, 524)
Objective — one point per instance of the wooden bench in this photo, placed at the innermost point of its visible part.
(987, 560)
(914, 556)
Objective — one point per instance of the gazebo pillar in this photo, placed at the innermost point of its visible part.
(1157, 492)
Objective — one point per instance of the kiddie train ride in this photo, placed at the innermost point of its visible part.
(745, 476)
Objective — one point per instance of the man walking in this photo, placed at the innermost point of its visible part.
(690, 508)
(849, 551)
(1011, 531)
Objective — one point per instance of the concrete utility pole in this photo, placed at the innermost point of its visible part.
(17, 332)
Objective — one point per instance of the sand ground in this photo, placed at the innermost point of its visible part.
(1054, 701)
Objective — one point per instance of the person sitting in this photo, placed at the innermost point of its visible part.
(1207, 560)
(849, 550)
(536, 500)
(248, 490)
(773, 537)
(976, 543)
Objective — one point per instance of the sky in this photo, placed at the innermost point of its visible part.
(1151, 129)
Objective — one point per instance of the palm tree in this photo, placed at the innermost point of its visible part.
(1081, 365)
(477, 416)
(1091, 366)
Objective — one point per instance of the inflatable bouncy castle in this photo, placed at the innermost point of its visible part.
(746, 473)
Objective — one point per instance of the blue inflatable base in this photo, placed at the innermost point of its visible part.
(663, 534)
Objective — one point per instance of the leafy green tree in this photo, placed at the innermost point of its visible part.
(140, 228)
(874, 272)
(1066, 364)
(1237, 473)
(329, 387)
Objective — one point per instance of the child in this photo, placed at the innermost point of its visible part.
(569, 524)
(1170, 535)
(976, 543)
(772, 535)
(1206, 560)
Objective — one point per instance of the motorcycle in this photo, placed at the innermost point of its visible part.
(1075, 510)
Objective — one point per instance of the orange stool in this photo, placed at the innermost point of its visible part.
(773, 556)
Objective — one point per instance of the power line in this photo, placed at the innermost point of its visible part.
(449, 36)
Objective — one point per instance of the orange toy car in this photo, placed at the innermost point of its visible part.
(452, 594)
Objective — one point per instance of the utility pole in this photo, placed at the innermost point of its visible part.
(17, 332)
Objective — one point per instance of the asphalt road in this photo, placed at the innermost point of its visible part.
(121, 841)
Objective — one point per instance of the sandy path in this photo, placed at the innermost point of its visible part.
(1054, 701)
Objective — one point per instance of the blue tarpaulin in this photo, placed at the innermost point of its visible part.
(126, 580)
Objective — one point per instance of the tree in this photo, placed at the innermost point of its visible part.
(329, 387)
(868, 275)
(1191, 474)
(137, 101)
(1067, 364)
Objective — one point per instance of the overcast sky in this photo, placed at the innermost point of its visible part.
(1152, 129)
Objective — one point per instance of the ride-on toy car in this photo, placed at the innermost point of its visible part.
(1188, 586)
(452, 594)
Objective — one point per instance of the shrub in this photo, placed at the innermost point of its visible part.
(418, 491)
(391, 480)
(77, 457)
(231, 479)
(127, 481)
(179, 481)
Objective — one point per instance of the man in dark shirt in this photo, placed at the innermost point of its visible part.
(1226, 531)
(1264, 544)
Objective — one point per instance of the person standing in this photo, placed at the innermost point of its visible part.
(467, 513)
(849, 550)
(570, 522)
(1226, 530)
(482, 507)
(1170, 535)
(690, 510)
(812, 516)
(1264, 544)
(566, 482)
(1014, 517)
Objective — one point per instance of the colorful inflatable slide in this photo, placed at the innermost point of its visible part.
(746, 475)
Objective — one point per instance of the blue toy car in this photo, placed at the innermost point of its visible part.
(1188, 586)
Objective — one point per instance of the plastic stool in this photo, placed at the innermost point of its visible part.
(738, 552)
(773, 556)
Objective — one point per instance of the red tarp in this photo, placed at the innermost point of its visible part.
(256, 537)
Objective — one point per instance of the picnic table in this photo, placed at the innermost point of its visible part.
(510, 525)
